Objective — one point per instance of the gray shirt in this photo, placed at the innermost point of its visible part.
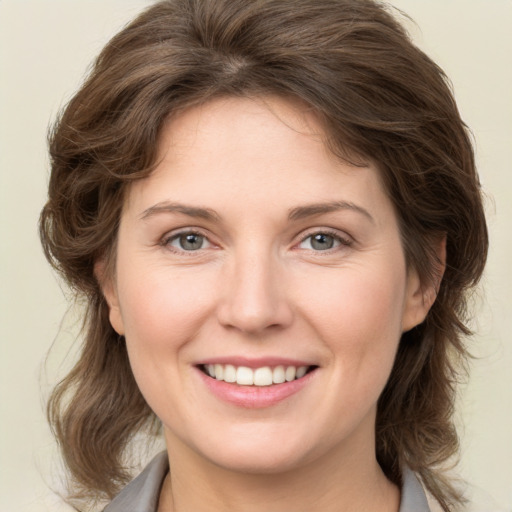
(141, 495)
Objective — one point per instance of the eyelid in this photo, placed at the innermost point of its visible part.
(174, 234)
(344, 239)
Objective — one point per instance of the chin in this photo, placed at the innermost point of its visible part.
(257, 454)
(257, 462)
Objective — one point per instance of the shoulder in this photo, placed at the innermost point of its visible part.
(142, 493)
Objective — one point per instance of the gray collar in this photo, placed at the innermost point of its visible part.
(141, 495)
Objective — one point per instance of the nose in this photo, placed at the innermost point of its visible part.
(254, 298)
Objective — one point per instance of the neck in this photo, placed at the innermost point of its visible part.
(353, 483)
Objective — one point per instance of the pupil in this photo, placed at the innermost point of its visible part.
(191, 241)
(322, 242)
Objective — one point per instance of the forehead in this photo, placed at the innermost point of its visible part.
(262, 150)
(238, 121)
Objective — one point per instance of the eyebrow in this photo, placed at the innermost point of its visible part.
(298, 213)
(169, 207)
(311, 210)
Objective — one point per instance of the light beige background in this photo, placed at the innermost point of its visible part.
(45, 47)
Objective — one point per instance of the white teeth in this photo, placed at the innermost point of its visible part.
(301, 371)
(229, 373)
(278, 376)
(290, 373)
(219, 372)
(244, 376)
(263, 376)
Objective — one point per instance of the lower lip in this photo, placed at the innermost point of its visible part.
(255, 397)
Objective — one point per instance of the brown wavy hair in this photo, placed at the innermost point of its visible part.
(378, 97)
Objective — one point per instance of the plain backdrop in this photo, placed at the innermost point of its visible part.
(45, 48)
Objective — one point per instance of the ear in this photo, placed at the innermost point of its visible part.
(109, 290)
(421, 295)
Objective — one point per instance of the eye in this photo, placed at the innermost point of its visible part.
(322, 241)
(188, 241)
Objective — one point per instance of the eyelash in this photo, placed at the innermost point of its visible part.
(167, 239)
(343, 241)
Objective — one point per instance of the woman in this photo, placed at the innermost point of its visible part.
(273, 212)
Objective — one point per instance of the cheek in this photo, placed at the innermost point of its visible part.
(161, 315)
(159, 308)
(355, 303)
(358, 316)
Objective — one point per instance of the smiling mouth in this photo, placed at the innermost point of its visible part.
(263, 376)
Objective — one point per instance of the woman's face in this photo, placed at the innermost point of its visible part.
(253, 253)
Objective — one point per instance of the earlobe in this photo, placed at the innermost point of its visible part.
(422, 293)
(109, 291)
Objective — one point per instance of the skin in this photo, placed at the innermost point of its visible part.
(257, 287)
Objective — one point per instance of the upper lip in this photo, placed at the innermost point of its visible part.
(257, 362)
